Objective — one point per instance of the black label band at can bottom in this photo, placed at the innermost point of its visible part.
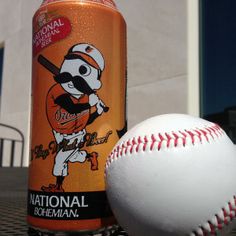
(68, 206)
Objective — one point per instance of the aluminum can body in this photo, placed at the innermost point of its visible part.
(78, 112)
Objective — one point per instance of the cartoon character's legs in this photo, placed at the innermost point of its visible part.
(54, 187)
(78, 156)
(61, 163)
(81, 156)
(60, 169)
(93, 159)
(64, 156)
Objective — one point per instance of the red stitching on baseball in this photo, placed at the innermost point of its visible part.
(215, 131)
(219, 225)
(199, 134)
(153, 142)
(210, 132)
(138, 145)
(133, 141)
(205, 233)
(226, 216)
(145, 143)
(178, 138)
(192, 136)
(169, 138)
(204, 134)
(126, 149)
(164, 140)
(184, 137)
(212, 227)
(160, 142)
(232, 211)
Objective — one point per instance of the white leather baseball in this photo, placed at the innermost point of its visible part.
(173, 175)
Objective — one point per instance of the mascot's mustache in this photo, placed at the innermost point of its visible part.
(79, 83)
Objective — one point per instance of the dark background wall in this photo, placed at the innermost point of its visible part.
(218, 55)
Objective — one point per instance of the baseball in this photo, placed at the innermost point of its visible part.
(172, 175)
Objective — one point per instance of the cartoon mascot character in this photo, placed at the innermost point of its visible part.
(69, 104)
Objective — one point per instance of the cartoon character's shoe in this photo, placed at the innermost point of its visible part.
(93, 158)
(52, 188)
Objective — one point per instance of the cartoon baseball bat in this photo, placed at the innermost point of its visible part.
(48, 65)
(55, 71)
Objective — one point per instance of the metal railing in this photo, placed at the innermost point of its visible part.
(12, 149)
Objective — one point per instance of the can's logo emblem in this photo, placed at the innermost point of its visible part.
(50, 32)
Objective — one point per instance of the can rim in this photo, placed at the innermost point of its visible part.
(111, 6)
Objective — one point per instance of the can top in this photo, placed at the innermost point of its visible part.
(109, 3)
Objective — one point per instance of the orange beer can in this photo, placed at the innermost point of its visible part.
(78, 112)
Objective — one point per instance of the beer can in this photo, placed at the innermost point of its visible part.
(78, 112)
